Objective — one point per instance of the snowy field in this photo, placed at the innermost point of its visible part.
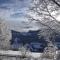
(19, 53)
(16, 55)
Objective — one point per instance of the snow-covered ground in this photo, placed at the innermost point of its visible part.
(16, 54)
(19, 53)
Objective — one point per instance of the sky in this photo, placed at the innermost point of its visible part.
(14, 9)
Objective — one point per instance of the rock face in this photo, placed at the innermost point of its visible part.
(5, 35)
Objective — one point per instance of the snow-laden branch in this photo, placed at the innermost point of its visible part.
(56, 2)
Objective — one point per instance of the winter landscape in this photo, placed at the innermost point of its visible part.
(29, 29)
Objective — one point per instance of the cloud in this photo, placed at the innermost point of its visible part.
(13, 9)
(4, 1)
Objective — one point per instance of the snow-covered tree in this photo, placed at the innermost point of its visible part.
(44, 13)
(41, 12)
(5, 35)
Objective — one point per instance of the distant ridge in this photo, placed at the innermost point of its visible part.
(31, 38)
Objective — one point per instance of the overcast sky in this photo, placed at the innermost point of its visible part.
(14, 9)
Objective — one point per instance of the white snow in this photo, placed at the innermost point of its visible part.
(19, 53)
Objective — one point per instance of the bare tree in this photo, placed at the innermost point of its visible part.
(56, 2)
(41, 13)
